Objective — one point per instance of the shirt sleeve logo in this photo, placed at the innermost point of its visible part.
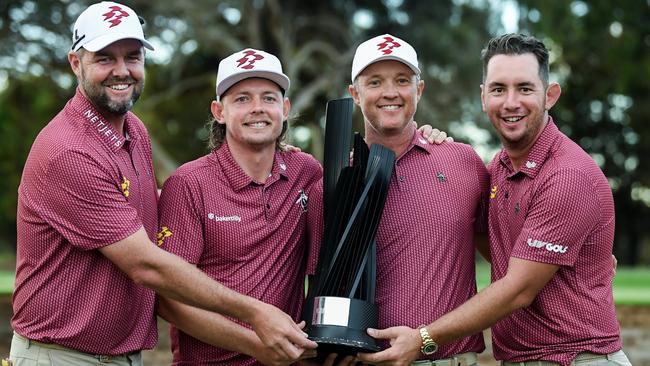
(302, 200)
(548, 246)
(125, 185)
(162, 235)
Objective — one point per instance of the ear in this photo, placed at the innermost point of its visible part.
(482, 98)
(217, 111)
(420, 89)
(552, 95)
(75, 63)
(286, 108)
(354, 93)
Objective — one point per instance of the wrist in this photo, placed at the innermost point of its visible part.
(427, 346)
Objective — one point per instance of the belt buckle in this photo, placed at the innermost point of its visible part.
(104, 358)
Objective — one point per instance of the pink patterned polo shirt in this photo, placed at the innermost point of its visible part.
(84, 186)
(254, 238)
(437, 198)
(557, 209)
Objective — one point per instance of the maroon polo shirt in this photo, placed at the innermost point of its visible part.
(253, 238)
(84, 186)
(558, 209)
(437, 198)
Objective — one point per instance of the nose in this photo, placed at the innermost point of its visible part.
(121, 68)
(390, 90)
(512, 100)
(257, 105)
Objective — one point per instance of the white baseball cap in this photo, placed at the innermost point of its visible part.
(104, 23)
(384, 47)
(249, 63)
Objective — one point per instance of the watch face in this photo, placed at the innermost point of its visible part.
(428, 349)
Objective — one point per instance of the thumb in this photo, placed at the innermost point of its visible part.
(380, 333)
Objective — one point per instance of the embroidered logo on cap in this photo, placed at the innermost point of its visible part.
(125, 185)
(163, 235)
(115, 15)
(386, 47)
(250, 57)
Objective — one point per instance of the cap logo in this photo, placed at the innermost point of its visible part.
(250, 57)
(386, 47)
(115, 15)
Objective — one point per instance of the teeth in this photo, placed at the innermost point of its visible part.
(513, 119)
(390, 107)
(119, 86)
(257, 124)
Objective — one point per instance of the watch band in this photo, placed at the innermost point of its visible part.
(428, 347)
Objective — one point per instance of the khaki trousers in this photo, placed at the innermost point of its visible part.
(25, 352)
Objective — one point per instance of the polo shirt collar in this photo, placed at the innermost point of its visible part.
(99, 126)
(538, 154)
(236, 176)
(419, 143)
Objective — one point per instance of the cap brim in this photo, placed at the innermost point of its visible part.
(104, 41)
(415, 69)
(280, 79)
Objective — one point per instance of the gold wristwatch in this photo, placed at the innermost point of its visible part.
(429, 347)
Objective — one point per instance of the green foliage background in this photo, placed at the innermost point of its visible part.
(600, 55)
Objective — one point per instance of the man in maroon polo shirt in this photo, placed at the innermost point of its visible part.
(87, 220)
(436, 202)
(551, 230)
(248, 214)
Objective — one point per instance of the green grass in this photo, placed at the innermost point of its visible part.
(631, 284)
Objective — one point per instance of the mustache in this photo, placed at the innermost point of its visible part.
(116, 80)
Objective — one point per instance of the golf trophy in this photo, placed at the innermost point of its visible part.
(340, 305)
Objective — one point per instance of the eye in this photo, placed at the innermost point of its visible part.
(270, 98)
(526, 90)
(403, 81)
(497, 90)
(103, 59)
(241, 99)
(373, 82)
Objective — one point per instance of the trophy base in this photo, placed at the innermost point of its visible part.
(339, 325)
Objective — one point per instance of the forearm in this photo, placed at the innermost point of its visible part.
(172, 277)
(517, 289)
(208, 327)
(175, 278)
(478, 313)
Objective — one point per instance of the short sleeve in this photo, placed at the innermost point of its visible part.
(563, 211)
(83, 201)
(181, 227)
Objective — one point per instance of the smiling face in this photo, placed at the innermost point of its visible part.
(253, 111)
(388, 93)
(112, 78)
(516, 101)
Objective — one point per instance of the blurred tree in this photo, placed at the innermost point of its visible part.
(316, 41)
(601, 56)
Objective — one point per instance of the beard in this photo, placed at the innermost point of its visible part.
(100, 99)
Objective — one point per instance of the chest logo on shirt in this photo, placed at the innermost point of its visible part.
(163, 235)
(493, 192)
(441, 177)
(233, 218)
(302, 200)
(530, 164)
(548, 246)
(125, 185)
